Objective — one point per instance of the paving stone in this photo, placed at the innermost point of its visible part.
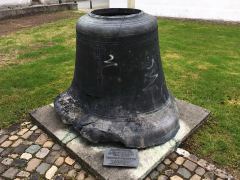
(22, 131)
(27, 135)
(167, 161)
(184, 172)
(193, 158)
(20, 163)
(209, 176)
(200, 171)
(51, 172)
(52, 156)
(179, 160)
(33, 137)
(211, 167)
(33, 164)
(169, 172)
(90, 178)
(38, 131)
(42, 168)
(13, 138)
(219, 179)
(13, 132)
(24, 124)
(63, 153)
(172, 156)
(6, 144)
(190, 165)
(26, 156)
(34, 128)
(42, 153)
(64, 169)
(1, 150)
(35, 176)
(174, 166)
(10, 173)
(222, 174)
(182, 152)
(6, 152)
(27, 142)
(48, 144)
(20, 149)
(81, 175)
(59, 161)
(33, 149)
(59, 177)
(3, 138)
(176, 178)
(202, 163)
(154, 174)
(41, 139)
(195, 177)
(13, 156)
(7, 161)
(23, 174)
(69, 161)
(56, 147)
(161, 167)
(72, 173)
(162, 177)
(29, 127)
(77, 166)
(17, 143)
(2, 168)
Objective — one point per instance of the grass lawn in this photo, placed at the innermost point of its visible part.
(201, 62)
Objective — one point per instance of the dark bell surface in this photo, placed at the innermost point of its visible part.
(119, 92)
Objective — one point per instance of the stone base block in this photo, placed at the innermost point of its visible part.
(91, 155)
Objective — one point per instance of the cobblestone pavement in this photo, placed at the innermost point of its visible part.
(26, 152)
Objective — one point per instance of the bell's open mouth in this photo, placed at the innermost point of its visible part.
(113, 12)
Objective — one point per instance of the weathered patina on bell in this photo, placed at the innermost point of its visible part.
(119, 93)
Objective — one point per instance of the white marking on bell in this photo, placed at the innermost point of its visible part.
(109, 61)
(150, 67)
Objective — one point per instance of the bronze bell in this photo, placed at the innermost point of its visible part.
(119, 93)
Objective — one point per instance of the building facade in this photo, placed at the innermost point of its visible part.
(228, 10)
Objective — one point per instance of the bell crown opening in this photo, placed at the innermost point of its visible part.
(115, 12)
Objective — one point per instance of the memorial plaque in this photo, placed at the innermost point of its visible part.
(121, 157)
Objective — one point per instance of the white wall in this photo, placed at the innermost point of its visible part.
(49, 1)
(118, 3)
(13, 3)
(198, 9)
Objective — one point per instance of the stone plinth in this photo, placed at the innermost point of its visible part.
(91, 155)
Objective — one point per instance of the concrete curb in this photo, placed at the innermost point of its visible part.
(11, 13)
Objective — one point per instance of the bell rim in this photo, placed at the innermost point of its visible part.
(132, 13)
(164, 124)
